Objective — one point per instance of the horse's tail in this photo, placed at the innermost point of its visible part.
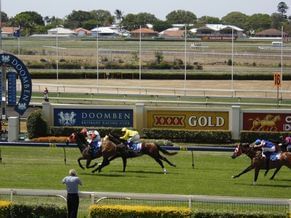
(164, 151)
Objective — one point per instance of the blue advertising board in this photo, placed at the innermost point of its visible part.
(11, 88)
(25, 78)
(93, 117)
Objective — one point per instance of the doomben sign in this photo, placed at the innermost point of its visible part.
(190, 120)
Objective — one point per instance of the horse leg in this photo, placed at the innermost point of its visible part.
(104, 163)
(124, 161)
(88, 164)
(257, 170)
(165, 159)
(276, 171)
(161, 164)
(249, 168)
(79, 162)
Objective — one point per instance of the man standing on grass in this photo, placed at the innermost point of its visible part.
(72, 181)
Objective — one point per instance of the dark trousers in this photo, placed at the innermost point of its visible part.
(72, 205)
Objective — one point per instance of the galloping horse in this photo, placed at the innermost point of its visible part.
(149, 148)
(258, 162)
(107, 150)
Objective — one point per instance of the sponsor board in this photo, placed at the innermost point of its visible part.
(93, 117)
(267, 121)
(190, 120)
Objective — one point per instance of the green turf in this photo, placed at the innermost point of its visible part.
(43, 168)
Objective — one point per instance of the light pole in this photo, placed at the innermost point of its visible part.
(57, 52)
(97, 56)
(185, 58)
(232, 59)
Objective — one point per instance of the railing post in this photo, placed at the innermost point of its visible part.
(190, 203)
(11, 195)
(92, 198)
(289, 208)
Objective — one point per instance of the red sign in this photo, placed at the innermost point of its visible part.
(277, 79)
(267, 121)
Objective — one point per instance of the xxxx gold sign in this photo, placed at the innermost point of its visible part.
(193, 120)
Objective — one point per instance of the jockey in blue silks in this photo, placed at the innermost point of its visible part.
(268, 150)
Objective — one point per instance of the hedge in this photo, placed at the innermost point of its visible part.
(9, 210)
(141, 211)
(251, 136)
(5, 208)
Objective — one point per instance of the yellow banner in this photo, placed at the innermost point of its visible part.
(190, 120)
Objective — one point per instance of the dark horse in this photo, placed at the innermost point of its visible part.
(149, 148)
(108, 150)
(258, 162)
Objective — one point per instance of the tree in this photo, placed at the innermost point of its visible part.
(259, 22)
(28, 21)
(134, 21)
(235, 18)
(88, 18)
(4, 17)
(118, 15)
(207, 20)
(276, 20)
(181, 17)
(282, 9)
(161, 25)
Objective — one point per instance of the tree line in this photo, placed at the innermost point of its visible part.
(32, 22)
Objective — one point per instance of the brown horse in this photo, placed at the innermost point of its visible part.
(107, 150)
(258, 162)
(149, 148)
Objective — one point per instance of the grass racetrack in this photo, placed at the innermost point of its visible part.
(44, 168)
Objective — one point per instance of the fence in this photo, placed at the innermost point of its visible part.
(202, 202)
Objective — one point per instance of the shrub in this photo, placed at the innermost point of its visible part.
(141, 211)
(28, 211)
(214, 137)
(36, 125)
(5, 208)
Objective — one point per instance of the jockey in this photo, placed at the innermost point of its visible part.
(132, 137)
(268, 147)
(286, 144)
(93, 138)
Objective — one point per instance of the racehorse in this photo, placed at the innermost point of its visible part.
(149, 148)
(258, 162)
(107, 150)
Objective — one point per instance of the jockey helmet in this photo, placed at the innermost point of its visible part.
(84, 131)
(124, 129)
(258, 142)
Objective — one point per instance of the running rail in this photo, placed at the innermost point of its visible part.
(73, 145)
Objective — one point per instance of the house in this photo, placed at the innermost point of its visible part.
(219, 32)
(172, 33)
(144, 33)
(271, 33)
(61, 32)
(8, 31)
(81, 32)
(104, 32)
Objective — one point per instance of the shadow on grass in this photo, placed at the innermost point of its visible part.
(265, 185)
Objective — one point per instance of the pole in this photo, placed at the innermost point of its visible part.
(139, 53)
(57, 51)
(97, 56)
(281, 63)
(65, 156)
(1, 26)
(185, 58)
(232, 59)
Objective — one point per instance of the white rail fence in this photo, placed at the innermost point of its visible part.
(143, 90)
(233, 203)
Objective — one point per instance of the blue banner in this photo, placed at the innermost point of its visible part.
(11, 88)
(20, 68)
(93, 117)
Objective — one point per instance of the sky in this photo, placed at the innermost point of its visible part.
(160, 8)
